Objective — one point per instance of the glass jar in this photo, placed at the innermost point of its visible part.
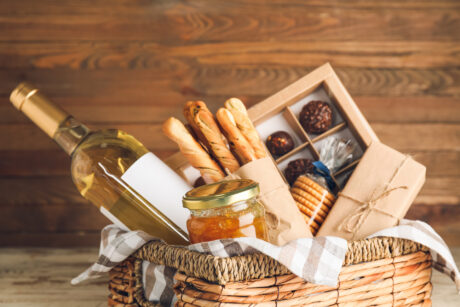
(226, 209)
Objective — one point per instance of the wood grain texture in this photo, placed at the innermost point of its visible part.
(41, 277)
(198, 21)
(202, 80)
(132, 64)
(121, 55)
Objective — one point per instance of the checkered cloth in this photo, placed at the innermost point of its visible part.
(317, 260)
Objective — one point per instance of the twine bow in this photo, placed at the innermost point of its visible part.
(354, 221)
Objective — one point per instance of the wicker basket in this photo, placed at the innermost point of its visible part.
(376, 272)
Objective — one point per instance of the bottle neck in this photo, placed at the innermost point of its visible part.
(54, 121)
(70, 133)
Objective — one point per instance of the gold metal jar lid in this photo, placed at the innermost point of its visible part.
(220, 194)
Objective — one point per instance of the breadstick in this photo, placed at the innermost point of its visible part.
(192, 150)
(208, 127)
(244, 123)
(238, 142)
(191, 108)
(208, 133)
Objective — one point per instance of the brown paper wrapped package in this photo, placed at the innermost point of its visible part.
(284, 221)
(377, 195)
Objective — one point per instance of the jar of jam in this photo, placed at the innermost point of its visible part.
(226, 209)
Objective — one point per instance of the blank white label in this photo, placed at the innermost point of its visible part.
(160, 186)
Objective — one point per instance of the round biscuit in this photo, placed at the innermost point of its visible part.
(310, 182)
(313, 231)
(307, 211)
(310, 198)
(310, 202)
(318, 214)
(316, 186)
(305, 194)
(319, 196)
(313, 223)
(313, 226)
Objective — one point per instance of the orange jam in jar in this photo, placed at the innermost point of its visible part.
(226, 209)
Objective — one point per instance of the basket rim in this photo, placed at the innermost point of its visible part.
(257, 265)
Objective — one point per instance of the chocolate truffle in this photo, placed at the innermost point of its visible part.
(279, 143)
(296, 168)
(316, 116)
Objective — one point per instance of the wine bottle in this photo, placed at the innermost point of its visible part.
(113, 170)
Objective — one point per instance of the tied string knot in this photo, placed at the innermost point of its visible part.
(354, 221)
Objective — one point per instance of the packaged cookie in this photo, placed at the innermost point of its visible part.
(314, 190)
(313, 200)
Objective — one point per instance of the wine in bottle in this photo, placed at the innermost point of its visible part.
(113, 170)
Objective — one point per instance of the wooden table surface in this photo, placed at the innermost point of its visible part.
(41, 277)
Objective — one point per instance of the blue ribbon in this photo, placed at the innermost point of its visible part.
(323, 171)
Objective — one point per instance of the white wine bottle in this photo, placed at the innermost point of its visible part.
(113, 170)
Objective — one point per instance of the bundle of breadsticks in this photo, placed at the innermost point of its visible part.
(216, 148)
(228, 146)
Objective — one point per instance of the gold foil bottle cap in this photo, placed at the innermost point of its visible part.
(38, 108)
(21, 93)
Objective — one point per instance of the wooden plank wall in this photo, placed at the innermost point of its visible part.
(132, 63)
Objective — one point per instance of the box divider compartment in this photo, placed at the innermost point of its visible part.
(347, 167)
(295, 124)
(330, 132)
(293, 152)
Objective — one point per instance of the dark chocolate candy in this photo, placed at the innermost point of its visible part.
(296, 168)
(279, 143)
(316, 116)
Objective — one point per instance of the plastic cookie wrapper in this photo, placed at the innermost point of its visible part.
(314, 192)
(333, 155)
